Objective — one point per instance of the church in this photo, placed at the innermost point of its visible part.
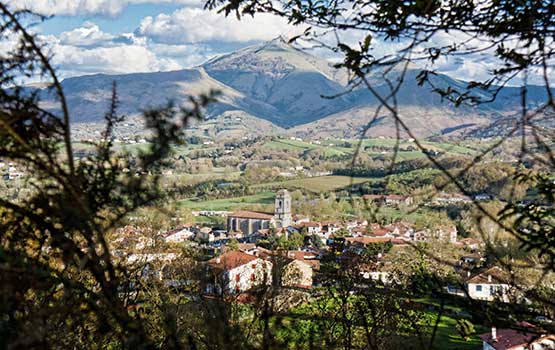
(248, 222)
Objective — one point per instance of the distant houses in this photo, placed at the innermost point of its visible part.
(389, 200)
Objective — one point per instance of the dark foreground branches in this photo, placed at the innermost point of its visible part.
(61, 286)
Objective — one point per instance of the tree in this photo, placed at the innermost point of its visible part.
(375, 249)
(233, 244)
(465, 328)
(60, 285)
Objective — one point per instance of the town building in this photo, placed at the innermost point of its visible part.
(491, 284)
(180, 234)
(525, 336)
(249, 222)
(389, 200)
(236, 272)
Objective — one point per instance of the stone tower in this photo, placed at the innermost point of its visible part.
(282, 213)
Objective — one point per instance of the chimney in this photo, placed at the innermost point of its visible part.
(217, 260)
(494, 334)
(489, 278)
(467, 273)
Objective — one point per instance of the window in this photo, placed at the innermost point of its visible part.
(478, 288)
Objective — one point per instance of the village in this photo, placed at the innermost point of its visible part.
(245, 256)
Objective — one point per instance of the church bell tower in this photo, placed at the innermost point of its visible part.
(282, 212)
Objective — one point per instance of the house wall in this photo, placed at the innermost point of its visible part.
(488, 291)
(180, 236)
(543, 345)
(311, 230)
(247, 226)
(245, 277)
(486, 346)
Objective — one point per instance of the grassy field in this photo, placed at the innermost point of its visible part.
(177, 178)
(317, 184)
(447, 337)
(335, 147)
(301, 146)
(244, 202)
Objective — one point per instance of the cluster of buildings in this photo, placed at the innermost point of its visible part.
(236, 269)
(239, 271)
(251, 226)
(250, 264)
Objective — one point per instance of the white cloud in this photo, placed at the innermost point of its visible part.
(194, 25)
(87, 35)
(87, 7)
(87, 49)
(119, 59)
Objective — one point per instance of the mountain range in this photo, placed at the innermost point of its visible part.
(292, 90)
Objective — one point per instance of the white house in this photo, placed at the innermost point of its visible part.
(178, 235)
(446, 233)
(489, 285)
(236, 272)
(312, 228)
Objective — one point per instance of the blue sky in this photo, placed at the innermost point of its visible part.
(129, 36)
(126, 21)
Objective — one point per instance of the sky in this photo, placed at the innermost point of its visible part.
(129, 36)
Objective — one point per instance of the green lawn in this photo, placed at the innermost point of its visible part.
(244, 202)
(403, 145)
(447, 337)
(317, 184)
(301, 146)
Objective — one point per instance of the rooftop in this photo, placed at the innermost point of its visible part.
(507, 339)
(246, 214)
(370, 240)
(497, 276)
(231, 260)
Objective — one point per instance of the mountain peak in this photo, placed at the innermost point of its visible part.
(279, 41)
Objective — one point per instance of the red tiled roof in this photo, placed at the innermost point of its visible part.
(507, 339)
(231, 260)
(497, 276)
(299, 254)
(373, 197)
(380, 232)
(176, 230)
(246, 214)
(360, 229)
(310, 224)
(370, 240)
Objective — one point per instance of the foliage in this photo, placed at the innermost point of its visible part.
(465, 328)
(60, 286)
(374, 249)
